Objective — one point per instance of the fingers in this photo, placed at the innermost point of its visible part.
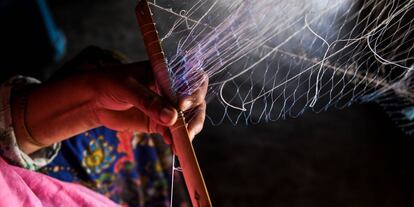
(128, 120)
(132, 120)
(197, 103)
(196, 123)
(135, 92)
(197, 98)
(149, 103)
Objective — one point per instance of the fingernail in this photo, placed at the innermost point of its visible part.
(186, 104)
(166, 115)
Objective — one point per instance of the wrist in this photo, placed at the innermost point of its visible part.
(52, 112)
(24, 139)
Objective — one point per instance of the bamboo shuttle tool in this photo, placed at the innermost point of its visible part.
(183, 147)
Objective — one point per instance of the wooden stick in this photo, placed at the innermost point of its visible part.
(182, 144)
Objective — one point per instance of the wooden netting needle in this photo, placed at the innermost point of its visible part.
(183, 147)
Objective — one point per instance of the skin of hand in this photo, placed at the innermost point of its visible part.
(121, 97)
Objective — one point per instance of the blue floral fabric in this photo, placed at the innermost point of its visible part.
(128, 167)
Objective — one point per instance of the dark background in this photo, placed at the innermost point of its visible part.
(350, 157)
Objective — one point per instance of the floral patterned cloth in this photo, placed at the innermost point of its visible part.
(127, 167)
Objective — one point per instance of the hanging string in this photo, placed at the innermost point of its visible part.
(172, 180)
(173, 170)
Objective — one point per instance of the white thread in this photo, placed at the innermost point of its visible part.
(172, 180)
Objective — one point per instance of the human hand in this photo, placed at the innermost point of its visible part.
(128, 100)
(121, 97)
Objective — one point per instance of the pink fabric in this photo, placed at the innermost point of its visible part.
(21, 187)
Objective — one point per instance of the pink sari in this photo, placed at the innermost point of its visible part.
(21, 187)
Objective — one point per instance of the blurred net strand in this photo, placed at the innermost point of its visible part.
(227, 45)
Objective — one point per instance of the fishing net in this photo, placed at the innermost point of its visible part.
(268, 60)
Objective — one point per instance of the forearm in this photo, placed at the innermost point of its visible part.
(53, 112)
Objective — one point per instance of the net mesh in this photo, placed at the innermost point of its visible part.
(268, 60)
